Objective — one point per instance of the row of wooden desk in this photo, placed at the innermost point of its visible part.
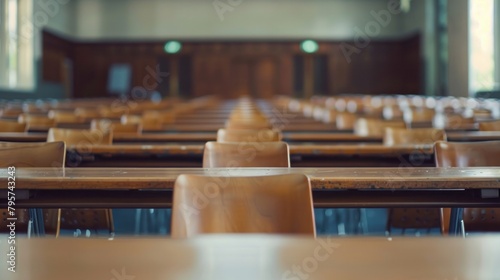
(176, 136)
(332, 187)
(301, 155)
(255, 257)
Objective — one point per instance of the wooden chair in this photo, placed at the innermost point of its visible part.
(10, 126)
(76, 137)
(32, 155)
(469, 154)
(11, 111)
(279, 204)
(490, 126)
(413, 218)
(115, 127)
(329, 116)
(36, 120)
(396, 136)
(64, 117)
(147, 123)
(248, 135)
(248, 124)
(345, 121)
(418, 116)
(113, 112)
(35, 108)
(165, 117)
(87, 113)
(375, 127)
(455, 121)
(246, 154)
(52, 155)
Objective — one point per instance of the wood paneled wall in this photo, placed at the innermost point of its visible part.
(232, 68)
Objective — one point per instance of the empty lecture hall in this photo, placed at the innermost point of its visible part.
(249, 139)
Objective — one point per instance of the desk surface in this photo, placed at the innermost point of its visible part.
(287, 136)
(295, 149)
(255, 257)
(331, 187)
(321, 178)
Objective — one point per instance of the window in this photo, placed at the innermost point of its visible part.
(16, 48)
(483, 52)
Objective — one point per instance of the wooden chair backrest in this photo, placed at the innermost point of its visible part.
(165, 117)
(397, 136)
(490, 126)
(10, 111)
(36, 120)
(345, 121)
(375, 127)
(78, 137)
(470, 154)
(279, 204)
(467, 154)
(115, 127)
(11, 126)
(87, 113)
(329, 116)
(32, 155)
(248, 135)
(246, 154)
(417, 115)
(248, 124)
(64, 117)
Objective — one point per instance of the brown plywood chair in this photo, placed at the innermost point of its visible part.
(32, 155)
(280, 204)
(397, 136)
(64, 117)
(246, 154)
(345, 121)
(36, 120)
(78, 137)
(248, 124)
(413, 218)
(469, 154)
(10, 126)
(418, 115)
(11, 111)
(490, 126)
(87, 113)
(375, 127)
(53, 155)
(248, 135)
(115, 127)
(148, 122)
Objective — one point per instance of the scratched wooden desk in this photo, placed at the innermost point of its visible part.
(332, 187)
(255, 256)
(302, 155)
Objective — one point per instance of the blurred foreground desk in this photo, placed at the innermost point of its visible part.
(332, 187)
(255, 257)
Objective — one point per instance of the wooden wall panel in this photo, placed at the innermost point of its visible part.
(55, 51)
(232, 68)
